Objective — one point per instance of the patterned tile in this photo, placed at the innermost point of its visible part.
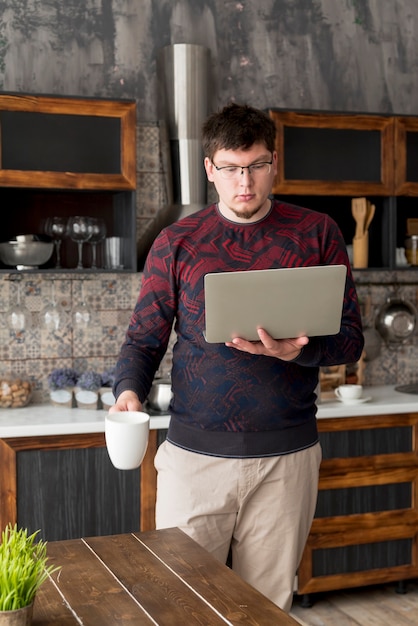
(153, 148)
(154, 192)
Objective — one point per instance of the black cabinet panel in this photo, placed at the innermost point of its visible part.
(360, 558)
(370, 499)
(60, 142)
(76, 493)
(332, 154)
(354, 443)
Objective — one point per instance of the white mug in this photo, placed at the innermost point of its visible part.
(349, 392)
(126, 436)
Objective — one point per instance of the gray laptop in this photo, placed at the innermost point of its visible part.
(286, 302)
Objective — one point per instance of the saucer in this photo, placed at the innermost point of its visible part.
(353, 401)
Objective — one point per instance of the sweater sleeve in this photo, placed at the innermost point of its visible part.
(151, 323)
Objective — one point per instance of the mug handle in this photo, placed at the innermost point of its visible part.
(337, 392)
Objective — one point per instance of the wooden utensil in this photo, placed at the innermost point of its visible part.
(412, 226)
(370, 215)
(359, 212)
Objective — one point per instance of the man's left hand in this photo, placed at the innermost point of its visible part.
(284, 349)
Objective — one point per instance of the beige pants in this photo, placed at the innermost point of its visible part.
(261, 508)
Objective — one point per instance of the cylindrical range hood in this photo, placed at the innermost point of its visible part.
(183, 71)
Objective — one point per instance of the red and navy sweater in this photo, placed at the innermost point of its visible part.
(225, 402)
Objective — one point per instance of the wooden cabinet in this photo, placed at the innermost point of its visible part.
(406, 156)
(331, 154)
(365, 529)
(67, 143)
(68, 156)
(326, 159)
(66, 486)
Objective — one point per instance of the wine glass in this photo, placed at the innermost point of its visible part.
(78, 231)
(97, 230)
(52, 315)
(82, 315)
(18, 315)
(56, 228)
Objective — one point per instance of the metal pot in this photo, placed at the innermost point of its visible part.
(160, 395)
(396, 321)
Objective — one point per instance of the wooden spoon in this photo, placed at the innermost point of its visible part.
(359, 211)
(369, 217)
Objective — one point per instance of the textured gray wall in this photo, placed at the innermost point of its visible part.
(348, 55)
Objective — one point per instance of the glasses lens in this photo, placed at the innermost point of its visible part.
(234, 172)
(260, 168)
(230, 172)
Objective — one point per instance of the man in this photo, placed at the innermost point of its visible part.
(239, 468)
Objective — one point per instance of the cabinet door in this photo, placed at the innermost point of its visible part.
(406, 156)
(333, 154)
(67, 143)
(68, 494)
(365, 526)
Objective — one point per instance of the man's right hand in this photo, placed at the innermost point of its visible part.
(127, 401)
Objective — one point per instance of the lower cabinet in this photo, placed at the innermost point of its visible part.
(66, 487)
(365, 529)
(75, 493)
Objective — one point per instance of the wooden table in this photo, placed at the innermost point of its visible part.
(159, 577)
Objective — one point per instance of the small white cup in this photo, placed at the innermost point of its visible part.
(126, 436)
(349, 392)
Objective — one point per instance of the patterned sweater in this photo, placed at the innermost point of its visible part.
(225, 402)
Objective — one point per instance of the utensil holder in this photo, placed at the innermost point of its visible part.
(361, 251)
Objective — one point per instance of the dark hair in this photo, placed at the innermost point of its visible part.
(237, 127)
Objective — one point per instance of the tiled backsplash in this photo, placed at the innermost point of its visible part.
(36, 351)
(392, 366)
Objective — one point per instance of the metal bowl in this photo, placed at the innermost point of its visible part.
(396, 321)
(26, 254)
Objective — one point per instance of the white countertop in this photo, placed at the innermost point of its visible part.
(384, 400)
(46, 419)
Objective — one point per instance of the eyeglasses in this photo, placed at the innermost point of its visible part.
(230, 172)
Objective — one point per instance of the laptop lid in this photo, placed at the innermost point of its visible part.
(286, 302)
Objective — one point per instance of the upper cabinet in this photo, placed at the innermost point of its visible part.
(67, 143)
(327, 159)
(406, 156)
(61, 157)
(333, 154)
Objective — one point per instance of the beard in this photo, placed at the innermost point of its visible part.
(246, 214)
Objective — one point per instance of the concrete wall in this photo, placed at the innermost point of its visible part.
(350, 55)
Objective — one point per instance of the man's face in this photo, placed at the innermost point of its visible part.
(244, 197)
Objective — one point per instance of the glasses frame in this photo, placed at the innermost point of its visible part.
(222, 169)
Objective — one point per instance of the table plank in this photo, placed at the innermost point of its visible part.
(156, 587)
(50, 608)
(229, 596)
(92, 592)
(235, 599)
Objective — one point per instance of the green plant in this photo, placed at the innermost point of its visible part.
(23, 567)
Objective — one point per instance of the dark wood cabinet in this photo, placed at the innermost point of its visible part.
(326, 159)
(67, 143)
(365, 529)
(406, 156)
(66, 486)
(68, 156)
(332, 154)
